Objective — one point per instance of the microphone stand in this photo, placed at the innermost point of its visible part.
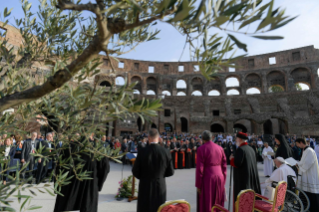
(230, 186)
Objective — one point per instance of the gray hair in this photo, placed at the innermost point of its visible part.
(34, 133)
(206, 135)
(49, 134)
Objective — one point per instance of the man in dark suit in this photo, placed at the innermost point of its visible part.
(29, 146)
(43, 169)
(152, 165)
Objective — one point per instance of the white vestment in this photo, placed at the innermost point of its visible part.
(281, 174)
(309, 171)
(229, 138)
(268, 164)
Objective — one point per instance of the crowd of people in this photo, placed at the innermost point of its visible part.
(210, 155)
(18, 148)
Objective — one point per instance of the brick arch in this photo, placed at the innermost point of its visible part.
(152, 84)
(253, 80)
(276, 77)
(232, 76)
(301, 75)
(196, 84)
(300, 67)
(214, 84)
(139, 85)
(220, 123)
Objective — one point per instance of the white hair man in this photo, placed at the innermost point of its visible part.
(28, 148)
(281, 173)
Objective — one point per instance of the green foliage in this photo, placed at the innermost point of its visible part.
(298, 87)
(125, 189)
(276, 89)
(59, 35)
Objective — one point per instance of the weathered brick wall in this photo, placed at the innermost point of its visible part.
(289, 111)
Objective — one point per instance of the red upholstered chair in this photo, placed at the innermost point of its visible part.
(277, 204)
(244, 203)
(175, 206)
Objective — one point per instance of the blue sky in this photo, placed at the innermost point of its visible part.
(303, 31)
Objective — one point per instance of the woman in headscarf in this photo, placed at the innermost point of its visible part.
(284, 149)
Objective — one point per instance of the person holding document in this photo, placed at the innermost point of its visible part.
(268, 164)
(309, 171)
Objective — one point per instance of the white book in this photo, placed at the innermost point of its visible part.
(291, 161)
(271, 153)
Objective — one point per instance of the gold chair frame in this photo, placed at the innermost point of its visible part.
(275, 199)
(174, 202)
(237, 200)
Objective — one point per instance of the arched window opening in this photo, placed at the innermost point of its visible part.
(166, 93)
(181, 84)
(135, 91)
(232, 82)
(302, 86)
(240, 128)
(181, 93)
(168, 127)
(232, 92)
(214, 93)
(184, 124)
(216, 128)
(197, 93)
(105, 83)
(140, 125)
(119, 81)
(268, 127)
(276, 89)
(150, 92)
(153, 126)
(253, 91)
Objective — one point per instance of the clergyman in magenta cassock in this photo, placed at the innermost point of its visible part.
(211, 170)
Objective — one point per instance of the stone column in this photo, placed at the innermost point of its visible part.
(290, 83)
(207, 107)
(264, 83)
(243, 86)
(223, 86)
(229, 127)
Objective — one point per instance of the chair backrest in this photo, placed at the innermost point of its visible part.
(175, 206)
(280, 194)
(245, 201)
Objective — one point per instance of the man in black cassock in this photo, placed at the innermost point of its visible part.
(152, 165)
(181, 154)
(245, 167)
(174, 153)
(82, 195)
(188, 155)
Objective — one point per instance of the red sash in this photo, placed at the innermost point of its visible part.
(176, 160)
(183, 153)
(195, 157)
